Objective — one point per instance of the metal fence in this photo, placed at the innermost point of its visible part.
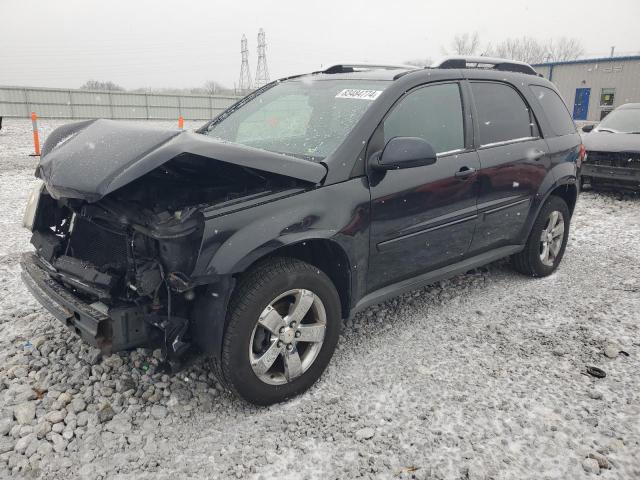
(63, 103)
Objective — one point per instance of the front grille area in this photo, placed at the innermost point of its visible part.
(98, 245)
(615, 159)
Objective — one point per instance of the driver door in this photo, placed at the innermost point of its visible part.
(423, 218)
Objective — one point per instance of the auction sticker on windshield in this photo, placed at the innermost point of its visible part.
(359, 93)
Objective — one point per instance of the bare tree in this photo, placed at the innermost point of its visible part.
(142, 90)
(530, 50)
(418, 62)
(98, 85)
(525, 49)
(564, 49)
(211, 87)
(465, 44)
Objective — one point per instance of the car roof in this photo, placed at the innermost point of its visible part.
(390, 75)
(374, 74)
(394, 72)
(448, 66)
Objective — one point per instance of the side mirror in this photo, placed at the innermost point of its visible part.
(404, 152)
(587, 128)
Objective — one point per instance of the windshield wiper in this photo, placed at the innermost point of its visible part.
(301, 156)
(606, 130)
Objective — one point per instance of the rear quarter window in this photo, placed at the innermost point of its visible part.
(555, 110)
(503, 116)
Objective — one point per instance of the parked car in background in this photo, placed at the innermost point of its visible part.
(613, 150)
(307, 201)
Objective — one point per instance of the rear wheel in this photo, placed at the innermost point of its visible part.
(547, 242)
(283, 325)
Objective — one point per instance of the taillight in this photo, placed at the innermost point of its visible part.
(583, 155)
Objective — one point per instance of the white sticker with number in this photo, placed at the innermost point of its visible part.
(359, 94)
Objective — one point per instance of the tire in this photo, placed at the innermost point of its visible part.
(273, 292)
(532, 261)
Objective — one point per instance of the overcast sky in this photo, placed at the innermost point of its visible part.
(155, 43)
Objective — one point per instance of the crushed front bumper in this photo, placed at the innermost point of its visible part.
(621, 176)
(109, 329)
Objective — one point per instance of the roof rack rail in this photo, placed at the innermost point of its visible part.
(502, 64)
(358, 67)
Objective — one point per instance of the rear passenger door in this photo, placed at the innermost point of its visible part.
(513, 163)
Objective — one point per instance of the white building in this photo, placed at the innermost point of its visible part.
(592, 88)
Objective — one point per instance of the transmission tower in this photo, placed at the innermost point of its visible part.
(245, 74)
(262, 71)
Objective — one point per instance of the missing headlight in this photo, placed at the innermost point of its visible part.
(32, 205)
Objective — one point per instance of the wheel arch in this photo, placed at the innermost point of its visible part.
(568, 192)
(210, 314)
(327, 255)
(565, 188)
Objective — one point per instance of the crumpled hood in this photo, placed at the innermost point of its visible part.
(90, 159)
(611, 142)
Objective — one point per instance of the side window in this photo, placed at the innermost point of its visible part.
(502, 113)
(555, 109)
(433, 113)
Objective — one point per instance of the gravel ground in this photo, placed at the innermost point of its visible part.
(479, 377)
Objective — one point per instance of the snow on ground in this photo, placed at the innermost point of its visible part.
(479, 377)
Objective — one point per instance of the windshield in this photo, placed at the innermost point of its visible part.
(621, 121)
(303, 118)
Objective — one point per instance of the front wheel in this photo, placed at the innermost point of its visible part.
(547, 242)
(283, 326)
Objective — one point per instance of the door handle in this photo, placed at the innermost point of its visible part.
(465, 172)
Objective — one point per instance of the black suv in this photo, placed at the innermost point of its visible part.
(305, 202)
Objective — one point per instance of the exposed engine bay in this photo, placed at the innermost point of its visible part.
(134, 250)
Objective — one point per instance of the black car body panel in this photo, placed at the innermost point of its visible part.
(185, 215)
(234, 244)
(116, 154)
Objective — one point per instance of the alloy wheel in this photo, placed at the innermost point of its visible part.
(551, 238)
(288, 336)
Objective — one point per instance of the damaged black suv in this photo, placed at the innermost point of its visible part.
(312, 198)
